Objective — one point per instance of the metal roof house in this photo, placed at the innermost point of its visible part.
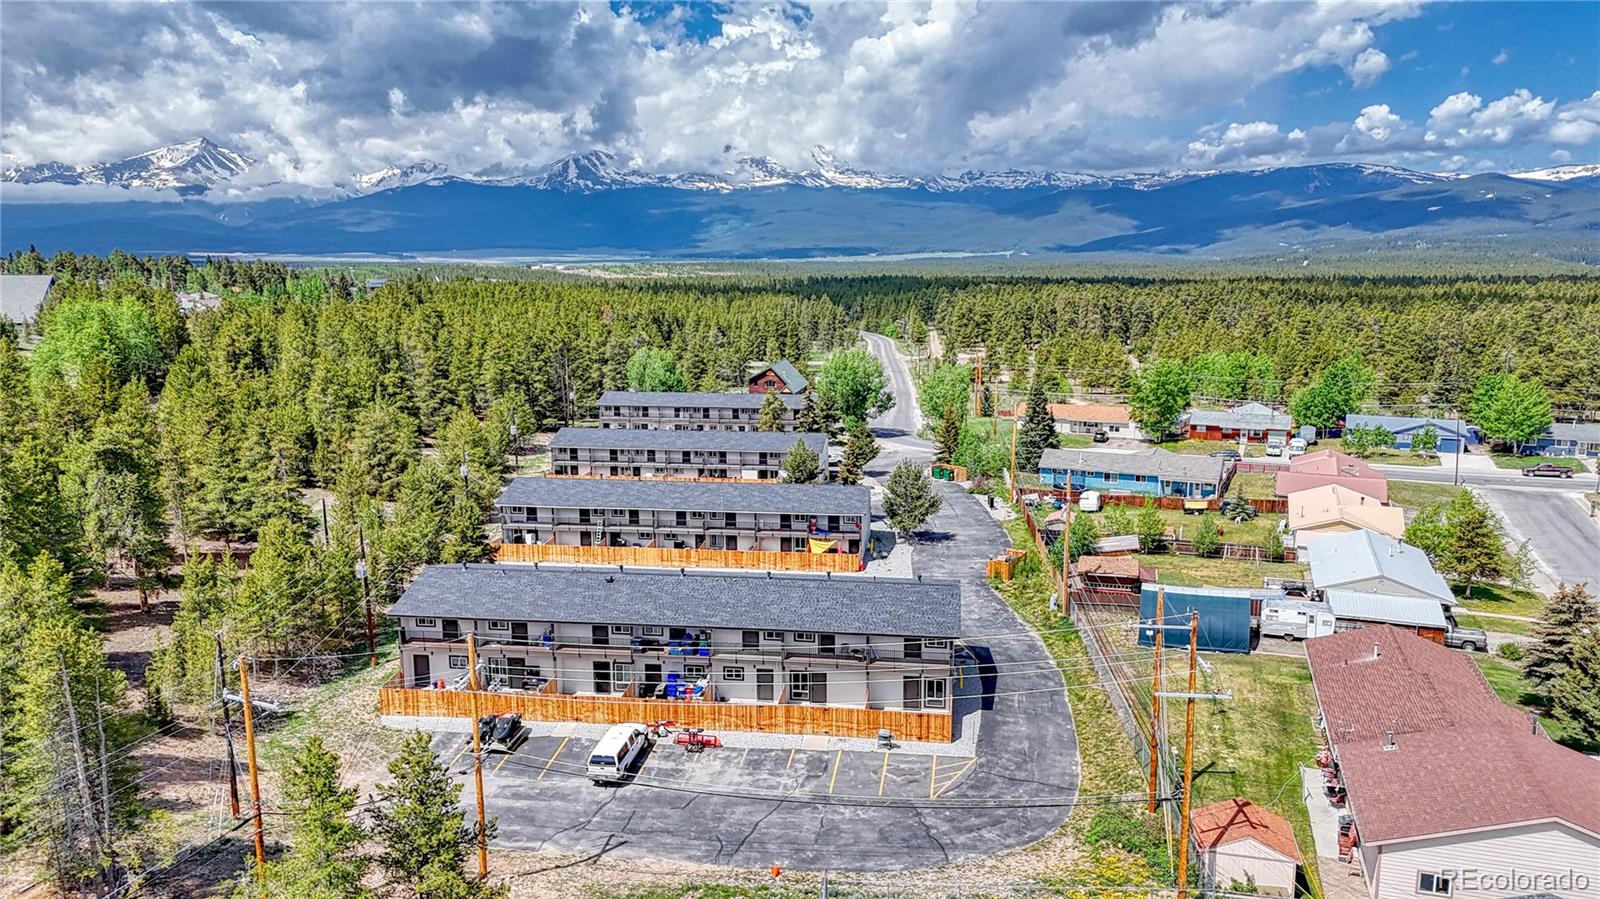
(712, 455)
(1444, 781)
(1422, 615)
(1454, 434)
(736, 650)
(1253, 422)
(1225, 614)
(22, 296)
(780, 377)
(690, 411)
(1150, 472)
(1372, 563)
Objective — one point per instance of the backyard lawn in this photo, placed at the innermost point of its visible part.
(1207, 447)
(1410, 495)
(1196, 571)
(1252, 532)
(1253, 484)
(1384, 455)
(1506, 460)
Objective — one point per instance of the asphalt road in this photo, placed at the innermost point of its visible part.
(1564, 539)
(1503, 479)
(905, 419)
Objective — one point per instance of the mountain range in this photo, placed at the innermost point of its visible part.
(594, 205)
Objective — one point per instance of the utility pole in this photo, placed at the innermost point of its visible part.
(255, 778)
(477, 783)
(366, 599)
(1155, 700)
(1188, 762)
(516, 459)
(227, 730)
(472, 661)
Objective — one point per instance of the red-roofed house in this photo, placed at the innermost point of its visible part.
(1452, 792)
(1325, 467)
(1243, 844)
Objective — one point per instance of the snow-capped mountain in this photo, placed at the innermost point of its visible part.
(398, 176)
(196, 163)
(588, 172)
(1560, 173)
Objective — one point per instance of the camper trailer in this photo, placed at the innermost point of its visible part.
(1295, 619)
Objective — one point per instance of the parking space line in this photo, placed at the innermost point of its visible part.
(883, 773)
(552, 759)
(789, 764)
(503, 761)
(459, 753)
(933, 768)
(951, 779)
(837, 758)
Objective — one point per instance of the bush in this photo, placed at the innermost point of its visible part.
(1206, 540)
(1130, 831)
(1511, 652)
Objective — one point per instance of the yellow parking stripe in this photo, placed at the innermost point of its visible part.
(837, 758)
(950, 779)
(933, 768)
(787, 765)
(503, 762)
(552, 760)
(883, 773)
(460, 752)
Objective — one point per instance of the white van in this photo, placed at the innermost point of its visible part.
(616, 752)
(1275, 445)
(1297, 447)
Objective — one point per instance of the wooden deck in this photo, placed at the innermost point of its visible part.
(661, 557)
(780, 718)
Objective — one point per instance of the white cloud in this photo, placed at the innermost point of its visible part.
(1368, 67)
(1560, 157)
(1501, 58)
(1463, 120)
(1577, 122)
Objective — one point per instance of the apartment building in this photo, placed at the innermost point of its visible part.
(690, 411)
(605, 634)
(634, 453)
(783, 518)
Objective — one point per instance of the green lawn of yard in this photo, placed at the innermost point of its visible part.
(1384, 455)
(1195, 571)
(1502, 598)
(1506, 460)
(1509, 684)
(1497, 625)
(1252, 532)
(1253, 484)
(1207, 447)
(1411, 495)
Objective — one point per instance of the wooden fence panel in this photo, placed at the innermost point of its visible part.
(662, 557)
(839, 721)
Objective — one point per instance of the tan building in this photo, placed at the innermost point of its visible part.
(1334, 509)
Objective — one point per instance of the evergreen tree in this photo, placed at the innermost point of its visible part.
(1038, 428)
(324, 860)
(1575, 693)
(1569, 616)
(859, 451)
(420, 826)
(809, 419)
(828, 418)
(986, 401)
(1476, 549)
(909, 499)
(382, 448)
(801, 465)
(1204, 536)
(1152, 530)
(772, 412)
(1161, 393)
(947, 436)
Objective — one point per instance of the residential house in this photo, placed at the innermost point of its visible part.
(690, 411)
(1251, 422)
(633, 453)
(193, 301)
(1454, 434)
(1325, 467)
(1109, 580)
(741, 651)
(1570, 439)
(735, 517)
(1373, 563)
(780, 377)
(1450, 791)
(22, 296)
(1242, 845)
(1093, 418)
(375, 283)
(1424, 616)
(1336, 509)
(1149, 472)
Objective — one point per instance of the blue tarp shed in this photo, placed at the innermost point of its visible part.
(1224, 615)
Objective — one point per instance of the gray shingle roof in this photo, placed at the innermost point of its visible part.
(792, 378)
(22, 295)
(755, 601)
(1158, 462)
(695, 400)
(1395, 424)
(1578, 433)
(1250, 416)
(581, 493)
(715, 441)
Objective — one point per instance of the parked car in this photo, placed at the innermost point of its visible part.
(1227, 454)
(612, 759)
(1297, 447)
(1470, 639)
(1275, 445)
(1547, 470)
(1101, 436)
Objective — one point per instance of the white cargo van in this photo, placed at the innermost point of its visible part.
(1297, 447)
(613, 757)
(1275, 445)
(1295, 619)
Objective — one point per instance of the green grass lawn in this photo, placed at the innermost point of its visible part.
(1207, 447)
(1411, 495)
(1506, 460)
(1195, 571)
(1252, 532)
(1498, 625)
(1509, 684)
(1253, 484)
(1505, 599)
(1384, 455)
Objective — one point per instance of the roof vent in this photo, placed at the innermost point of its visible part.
(1388, 743)
(1377, 649)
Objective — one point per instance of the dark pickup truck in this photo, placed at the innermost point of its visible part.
(1547, 470)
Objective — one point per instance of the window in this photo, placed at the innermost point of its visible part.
(936, 644)
(426, 622)
(933, 694)
(497, 625)
(772, 636)
(694, 672)
(458, 663)
(804, 637)
(733, 674)
(620, 512)
(800, 685)
(1430, 884)
(622, 630)
(697, 515)
(654, 630)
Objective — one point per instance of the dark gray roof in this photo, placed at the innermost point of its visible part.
(1158, 462)
(22, 295)
(1578, 433)
(756, 601)
(792, 378)
(729, 441)
(695, 400)
(583, 493)
(1250, 416)
(1395, 424)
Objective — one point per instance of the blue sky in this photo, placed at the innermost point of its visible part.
(317, 92)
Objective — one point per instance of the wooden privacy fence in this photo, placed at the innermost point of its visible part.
(663, 557)
(777, 718)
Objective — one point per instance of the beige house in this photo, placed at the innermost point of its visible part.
(1333, 509)
(1243, 845)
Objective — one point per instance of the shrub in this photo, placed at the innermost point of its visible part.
(1511, 652)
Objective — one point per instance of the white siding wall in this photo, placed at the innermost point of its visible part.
(1531, 849)
(1245, 860)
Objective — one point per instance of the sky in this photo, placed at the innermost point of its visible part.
(317, 92)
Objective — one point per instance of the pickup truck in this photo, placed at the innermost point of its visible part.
(1468, 638)
(1547, 470)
